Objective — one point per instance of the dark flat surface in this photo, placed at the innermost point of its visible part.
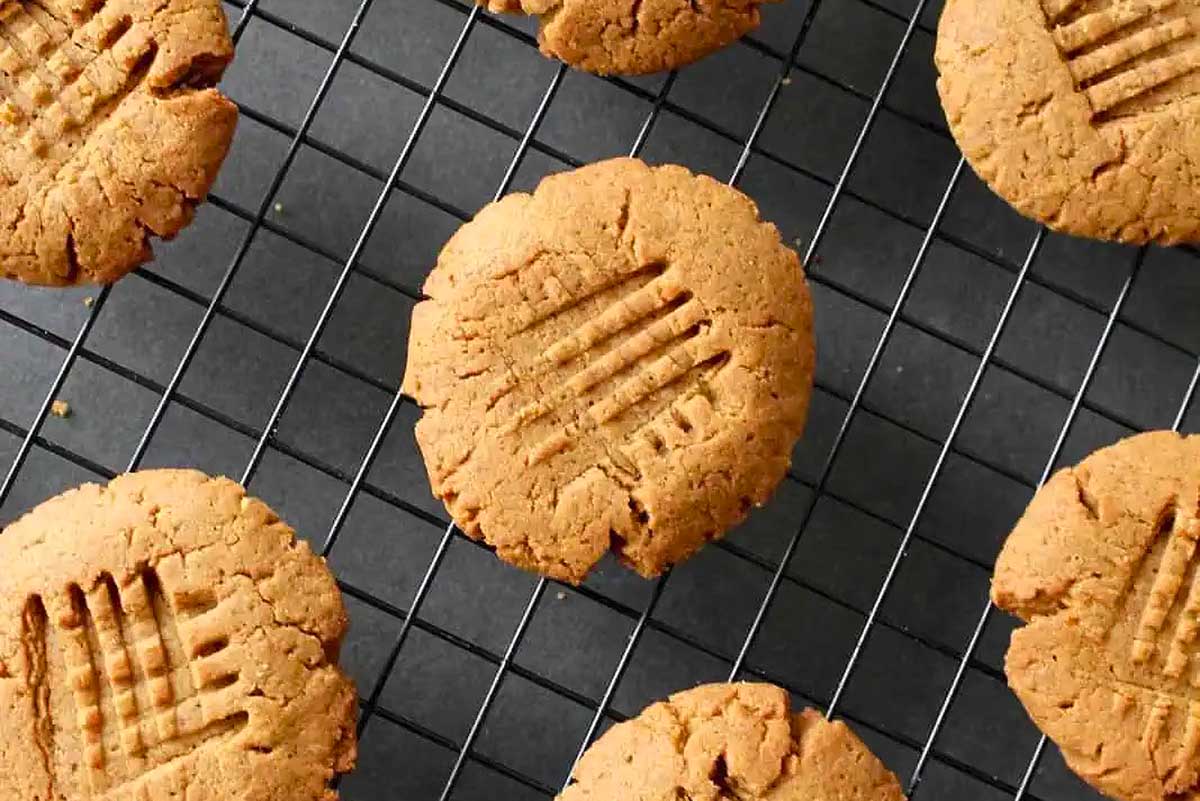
(573, 642)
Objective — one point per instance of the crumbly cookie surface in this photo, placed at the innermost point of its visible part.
(621, 360)
(731, 742)
(1083, 114)
(635, 37)
(108, 134)
(166, 636)
(1102, 567)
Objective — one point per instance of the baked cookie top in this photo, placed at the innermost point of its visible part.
(1083, 114)
(635, 37)
(1102, 566)
(107, 134)
(721, 742)
(163, 636)
(622, 360)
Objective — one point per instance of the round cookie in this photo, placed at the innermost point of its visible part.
(727, 741)
(1102, 567)
(166, 636)
(107, 132)
(1083, 114)
(635, 37)
(621, 360)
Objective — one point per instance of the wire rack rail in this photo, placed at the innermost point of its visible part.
(889, 629)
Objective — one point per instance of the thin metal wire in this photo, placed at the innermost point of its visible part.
(880, 345)
(430, 576)
(35, 427)
(863, 133)
(847, 420)
(364, 236)
(965, 407)
(239, 257)
(1051, 462)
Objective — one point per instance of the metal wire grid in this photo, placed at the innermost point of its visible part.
(358, 482)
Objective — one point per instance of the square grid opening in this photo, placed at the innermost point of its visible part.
(963, 355)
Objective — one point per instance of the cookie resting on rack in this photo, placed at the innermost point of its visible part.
(166, 637)
(635, 37)
(1102, 567)
(109, 131)
(730, 741)
(1083, 114)
(621, 360)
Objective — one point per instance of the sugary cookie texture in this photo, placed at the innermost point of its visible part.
(635, 37)
(1102, 567)
(721, 742)
(621, 360)
(109, 132)
(1083, 114)
(166, 637)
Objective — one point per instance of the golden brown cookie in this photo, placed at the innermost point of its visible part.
(1102, 567)
(166, 636)
(721, 742)
(635, 37)
(1083, 114)
(107, 132)
(621, 360)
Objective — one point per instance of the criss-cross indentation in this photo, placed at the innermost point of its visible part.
(1120, 51)
(133, 675)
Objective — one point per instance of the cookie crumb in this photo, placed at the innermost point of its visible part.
(60, 408)
(279, 208)
(89, 301)
(787, 81)
(562, 596)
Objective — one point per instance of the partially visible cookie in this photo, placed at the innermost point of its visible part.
(1083, 114)
(730, 741)
(108, 134)
(1102, 567)
(635, 37)
(165, 636)
(621, 360)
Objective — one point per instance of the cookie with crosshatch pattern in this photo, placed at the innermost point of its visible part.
(166, 636)
(108, 134)
(621, 360)
(635, 37)
(1102, 567)
(1083, 114)
(731, 741)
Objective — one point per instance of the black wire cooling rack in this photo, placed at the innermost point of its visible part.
(964, 355)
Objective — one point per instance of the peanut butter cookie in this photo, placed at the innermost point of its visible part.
(107, 132)
(164, 637)
(622, 360)
(635, 37)
(1102, 567)
(1083, 114)
(731, 741)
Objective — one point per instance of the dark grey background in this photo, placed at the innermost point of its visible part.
(565, 658)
